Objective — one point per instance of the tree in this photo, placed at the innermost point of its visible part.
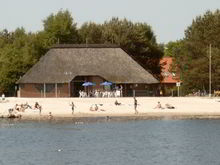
(193, 55)
(171, 48)
(16, 58)
(61, 28)
(91, 33)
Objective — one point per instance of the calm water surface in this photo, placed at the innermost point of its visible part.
(168, 142)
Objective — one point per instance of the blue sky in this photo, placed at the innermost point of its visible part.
(168, 18)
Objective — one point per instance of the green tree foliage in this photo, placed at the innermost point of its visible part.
(192, 55)
(171, 48)
(61, 28)
(91, 33)
(16, 57)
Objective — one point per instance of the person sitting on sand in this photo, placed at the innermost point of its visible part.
(94, 107)
(22, 108)
(168, 106)
(10, 111)
(50, 116)
(17, 107)
(26, 105)
(36, 105)
(159, 106)
(117, 103)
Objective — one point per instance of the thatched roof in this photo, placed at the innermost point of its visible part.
(64, 62)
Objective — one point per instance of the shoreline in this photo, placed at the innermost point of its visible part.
(87, 118)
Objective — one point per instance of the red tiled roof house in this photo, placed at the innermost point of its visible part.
(168, 83)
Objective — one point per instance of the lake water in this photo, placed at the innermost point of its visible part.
(168, 142)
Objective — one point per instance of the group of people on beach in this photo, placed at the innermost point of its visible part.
(116, 92)
(159, 106)
(94, 107)
(22, 107)
(135, 104)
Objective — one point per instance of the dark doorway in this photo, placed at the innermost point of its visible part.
(76, 85)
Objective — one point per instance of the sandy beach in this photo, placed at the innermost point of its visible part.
(185, 107)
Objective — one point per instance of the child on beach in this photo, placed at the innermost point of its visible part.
(50, 116)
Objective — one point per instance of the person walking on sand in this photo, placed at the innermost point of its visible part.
(135, 105)
(73, 107)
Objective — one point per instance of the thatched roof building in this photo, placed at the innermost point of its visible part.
(63, 63)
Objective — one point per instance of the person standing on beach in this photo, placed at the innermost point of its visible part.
(73, 107)
(135, 105)
(121, 91)
(37, 106)
(3, 96)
